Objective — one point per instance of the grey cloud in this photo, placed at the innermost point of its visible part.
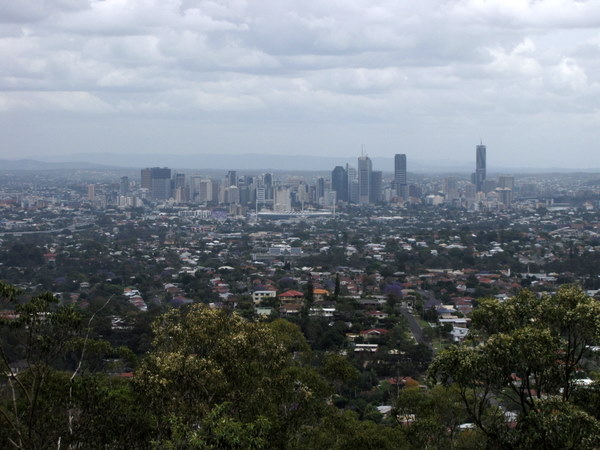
(385, 66)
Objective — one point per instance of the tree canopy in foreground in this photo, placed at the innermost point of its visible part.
(525, 355)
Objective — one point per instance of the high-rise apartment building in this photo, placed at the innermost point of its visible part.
(365, 169)
(480, 167)
(400, 178)
(339, 183)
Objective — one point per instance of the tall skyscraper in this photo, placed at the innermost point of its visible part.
(506, 182)
(268, 179)
(504, 196)
(339, 183)
(479, 176)
(268, 183)
(320, 192)
(124, 186)
(450, 188)
(260, 195)
(376, 186)
(205, 191)
(365, 169)
(283, 199)
(146, 178)
(179, 180)
(352, 183)
(195, 188)
(400, 177)
(91, 192)
(232, 178)
(160, 183)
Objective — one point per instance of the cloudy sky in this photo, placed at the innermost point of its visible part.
(315, 77)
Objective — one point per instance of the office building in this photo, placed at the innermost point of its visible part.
(146, 178)
(400, 178)
(124, 186)
(283, 199)
(231, 178)
(91, 192)
(352, 184)
(376, 188)
(450, 188)
(365, 169)
(480, 167)
(179, 180)
(160, 183)
(320, 190)
(260, 195)
(506, 182)
(339, 183)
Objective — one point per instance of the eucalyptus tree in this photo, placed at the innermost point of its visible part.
(524, 355)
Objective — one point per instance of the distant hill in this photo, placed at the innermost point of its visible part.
(255, 162)
(31, 164)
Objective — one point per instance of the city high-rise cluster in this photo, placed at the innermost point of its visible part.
(347, 184)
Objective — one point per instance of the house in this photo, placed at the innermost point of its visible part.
(377, 314)
(371, 348)
(320, 294)
(290, 309)
(459, 333)
(373, 333)
(259, 296)
(263, 311)
(320, 311)
(291, 296)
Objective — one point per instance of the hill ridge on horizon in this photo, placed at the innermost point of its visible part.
(247, 161)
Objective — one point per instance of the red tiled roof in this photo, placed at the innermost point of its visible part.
(375, 331)
(291, 293)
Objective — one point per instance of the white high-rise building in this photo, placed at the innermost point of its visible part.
(283, 200)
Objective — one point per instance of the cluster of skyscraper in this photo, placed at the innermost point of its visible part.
(359, 185)
(365, 185)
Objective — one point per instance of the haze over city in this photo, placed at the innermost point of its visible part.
(188, 77)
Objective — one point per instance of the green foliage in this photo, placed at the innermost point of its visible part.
(203, 358)
(219, 430)
(344, 431)
(557, 424)
(110, 414)
(42, 407)
(521, 352)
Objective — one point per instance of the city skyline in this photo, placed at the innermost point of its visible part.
(361, 186)
(190, 77)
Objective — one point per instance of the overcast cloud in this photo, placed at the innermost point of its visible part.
(426, 78)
